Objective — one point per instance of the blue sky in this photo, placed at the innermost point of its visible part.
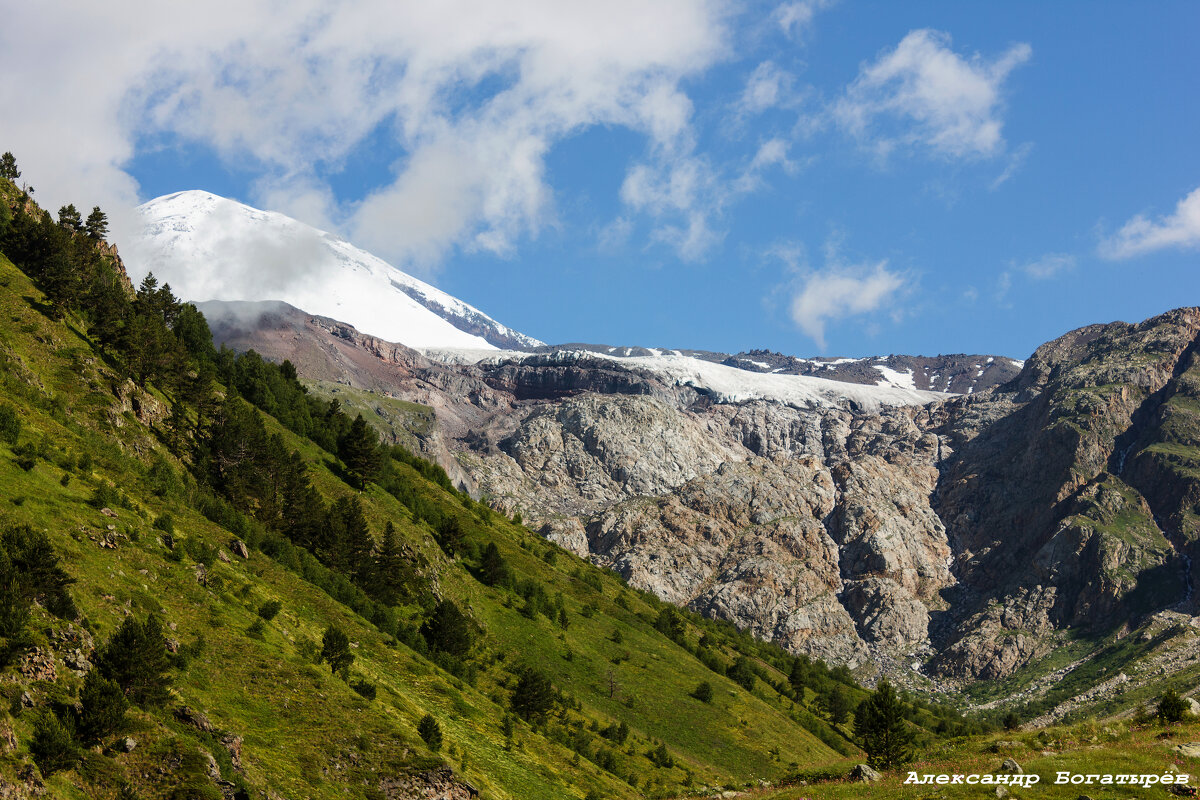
(840, 178)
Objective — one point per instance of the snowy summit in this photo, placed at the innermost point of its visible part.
(211, 248)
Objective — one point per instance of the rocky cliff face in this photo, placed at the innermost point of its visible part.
(965, 535)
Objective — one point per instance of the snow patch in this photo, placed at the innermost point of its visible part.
(724, 383)
(891, 377)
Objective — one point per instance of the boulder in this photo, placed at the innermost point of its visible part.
(864, 774)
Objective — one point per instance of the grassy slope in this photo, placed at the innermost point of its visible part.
(1089, 748)
(306, 733)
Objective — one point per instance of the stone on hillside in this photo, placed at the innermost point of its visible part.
(864, 774)
(239, 549)
(196, 719)
(1189, 750)
(1011, 767)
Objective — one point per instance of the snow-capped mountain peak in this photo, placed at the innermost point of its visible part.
(212, 248)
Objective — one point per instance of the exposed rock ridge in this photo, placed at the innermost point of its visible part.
(966, 535)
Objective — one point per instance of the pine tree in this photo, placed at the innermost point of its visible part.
(135, 657)
(52, 747)
(429, 730)
(10, 426)
(70, 219)
(741, 672)
(448, 630)
(347, 542)
(102, 708)
(359, 450)
(836, 705)
(799, 677)
(8, 168)
(450, 535)
(882, 730)
(335, 650)
(493, 568)
(533, 695)
(391, 568)
(96, 226)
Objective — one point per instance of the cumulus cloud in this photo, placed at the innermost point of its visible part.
(1141, 235)
(838, 292)
(923, 93)
(473, 93)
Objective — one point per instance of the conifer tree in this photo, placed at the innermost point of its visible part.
(493, 568)
(391, 569)
(882, 730)
(533, 695)
(8, 167)
(135, 657)
(102, 708)
(429, 730)
(448, 630)
(52, 747)
(1171, 706)
(96, 225)
(359, 450)
(69, 218)
(335, 650)
(836, 705)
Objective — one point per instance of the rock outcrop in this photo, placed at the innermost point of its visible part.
(965, 535)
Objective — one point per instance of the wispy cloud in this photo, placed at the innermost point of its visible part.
(768, 86)
(1049, 265)
(924, 94)
(796, 18)
(1142, 235)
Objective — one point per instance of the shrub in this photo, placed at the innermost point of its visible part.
(165, 523)
(52, 746)
(430, 732)
(364, 688)
(257, 629)
(269, 609)
(703, 692)
(1171, 707)
(335, 650)
(10, 426)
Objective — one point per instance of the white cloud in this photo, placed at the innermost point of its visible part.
(796, 18)
(767, 87)
(1049, 265)
(838, 292)
(923, 93)
(1141, 235)
(686, 195)
(474, 93)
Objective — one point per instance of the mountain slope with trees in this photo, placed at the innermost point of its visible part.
(219, 584)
